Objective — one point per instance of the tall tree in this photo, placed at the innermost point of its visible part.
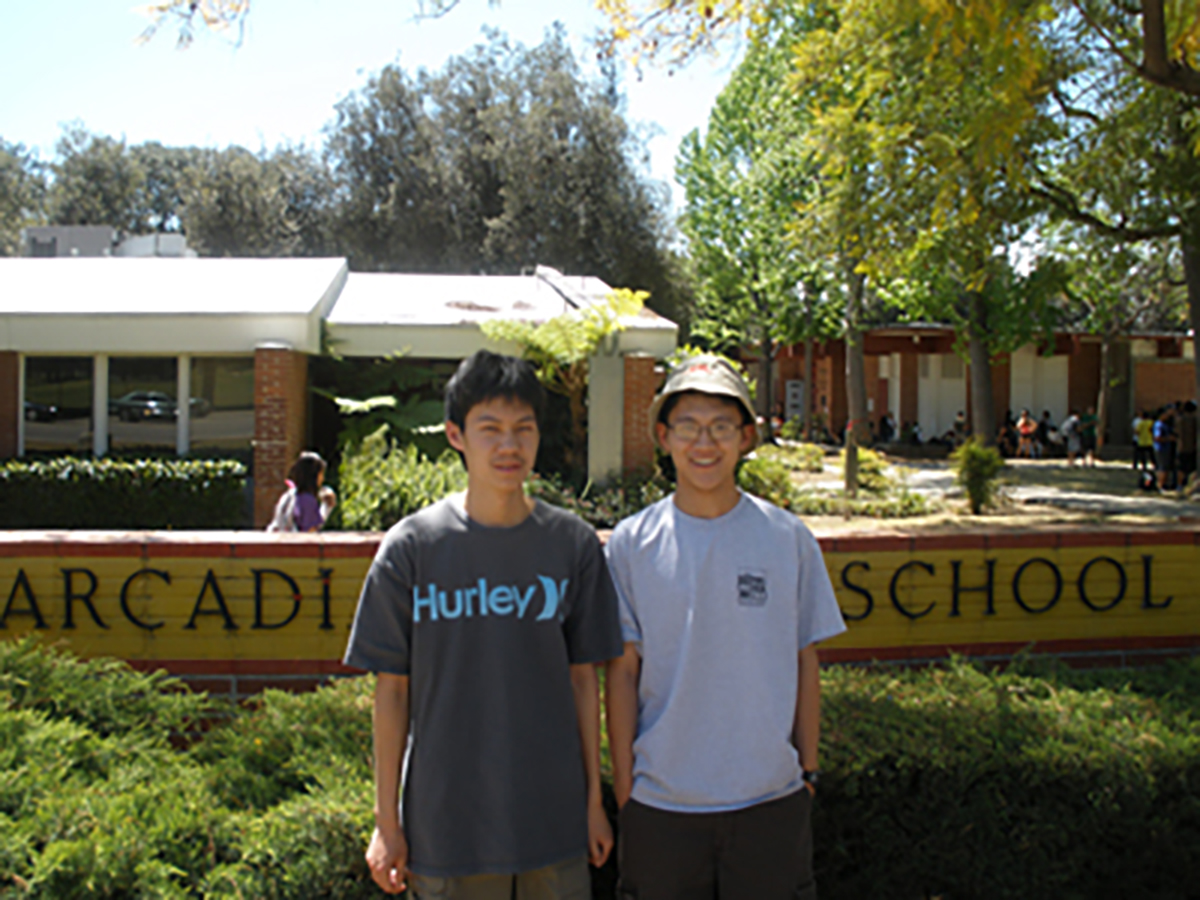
(96, 181)
(22, 191)
(506, 158)
(742, 186)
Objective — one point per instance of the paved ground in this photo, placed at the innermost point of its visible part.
(1037, 494)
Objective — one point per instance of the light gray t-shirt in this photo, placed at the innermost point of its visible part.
(718, 609)
(486, 622)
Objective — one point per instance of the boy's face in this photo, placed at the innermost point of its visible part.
(499, 442)
(705, 463)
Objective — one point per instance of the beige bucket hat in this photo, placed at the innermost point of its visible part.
(708, 375)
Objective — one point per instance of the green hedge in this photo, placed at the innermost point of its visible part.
(131, 494)
(943, 782)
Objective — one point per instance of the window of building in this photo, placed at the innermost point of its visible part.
(58, 404)
(222, 406)
(142, 409)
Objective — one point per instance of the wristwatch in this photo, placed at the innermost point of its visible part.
(810, 776)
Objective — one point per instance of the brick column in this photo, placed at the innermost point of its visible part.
(280, 422)
(641, 384)
(10, 402)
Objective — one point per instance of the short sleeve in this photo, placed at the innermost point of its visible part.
(381, 637)
(618, 566)
(591, 628)
(820, 617)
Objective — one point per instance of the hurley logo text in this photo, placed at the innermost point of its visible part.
(482, 600)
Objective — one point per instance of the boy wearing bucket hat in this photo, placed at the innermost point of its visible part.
(713, 710)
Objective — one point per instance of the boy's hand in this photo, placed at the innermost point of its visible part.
(600, 836)
(387, 858)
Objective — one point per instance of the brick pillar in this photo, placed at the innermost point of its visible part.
(280, 422)
(637, 446)
(10, 403)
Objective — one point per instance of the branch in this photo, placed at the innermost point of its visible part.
(1156, 67)
(1068, 204)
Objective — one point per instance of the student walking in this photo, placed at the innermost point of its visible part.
(484, 616)
(307, 502)
(1143, 441)
(713, 710)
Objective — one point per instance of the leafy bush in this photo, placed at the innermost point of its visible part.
(768, 478)
(381, 482)
(901, 505)
(797, 457)
(976, 469)
(1037, 782)
(600, 507)
(67, 492)
(872, 471)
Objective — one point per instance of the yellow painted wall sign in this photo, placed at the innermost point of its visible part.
(206, 602)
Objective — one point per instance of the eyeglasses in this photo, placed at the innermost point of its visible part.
(689, 432)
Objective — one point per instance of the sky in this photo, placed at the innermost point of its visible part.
(65, 61)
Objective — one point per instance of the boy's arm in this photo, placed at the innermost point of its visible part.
(586, 687)
(621, 689)
(387, 855)
(806, 728)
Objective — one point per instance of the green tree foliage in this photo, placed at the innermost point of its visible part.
(95, 182)
(22, 188)
(236, 203)
(506, 158)
(560, 347)
(743, 182)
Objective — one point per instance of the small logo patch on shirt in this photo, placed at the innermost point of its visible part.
(752, 587)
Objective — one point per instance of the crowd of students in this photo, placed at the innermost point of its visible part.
(1165, 443)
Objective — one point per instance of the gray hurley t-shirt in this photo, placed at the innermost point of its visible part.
(486, 622)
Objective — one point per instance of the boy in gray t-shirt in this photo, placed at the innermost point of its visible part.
(713, 710)
(484, 616)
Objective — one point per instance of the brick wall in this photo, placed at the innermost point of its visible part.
(280, 422)
(1157, 383)
(9, 403)
(641, 384)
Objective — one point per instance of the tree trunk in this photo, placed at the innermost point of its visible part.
(1191, 274)
(856, 383)
(1103, 403)
(983, 404)
(806, 397)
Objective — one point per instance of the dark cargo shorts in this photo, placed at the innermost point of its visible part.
(763, 852)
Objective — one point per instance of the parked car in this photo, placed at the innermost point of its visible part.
(40, 412)
(138, 406)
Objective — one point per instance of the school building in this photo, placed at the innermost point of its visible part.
(96, 353)
(913, 371)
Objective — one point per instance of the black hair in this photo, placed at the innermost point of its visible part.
(488, 375)
(669, 404)
(305, 471)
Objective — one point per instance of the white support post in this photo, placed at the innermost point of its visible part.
(606, 412)
(183, 404)
(100, 404)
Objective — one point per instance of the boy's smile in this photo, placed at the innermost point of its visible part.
(705, 438)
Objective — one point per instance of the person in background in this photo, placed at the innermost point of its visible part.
(1041, 437)
(1026, 428)
(1165, 441)
(887, 428)
(307, 502)
(1087, 435)
(1070, 430)
(1143, 440)
(1187, 442)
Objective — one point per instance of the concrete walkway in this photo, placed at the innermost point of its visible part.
(935, 480)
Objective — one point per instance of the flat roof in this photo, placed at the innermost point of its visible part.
(165, 286)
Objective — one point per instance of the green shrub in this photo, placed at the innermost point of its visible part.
(600, 507)
(901, 505)
(114, 493)
(381, 482)
(797, 457)
(792, 429)
(872, 471)
(767, 478)
(976, 469)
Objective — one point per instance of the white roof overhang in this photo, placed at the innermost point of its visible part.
(165, 306)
